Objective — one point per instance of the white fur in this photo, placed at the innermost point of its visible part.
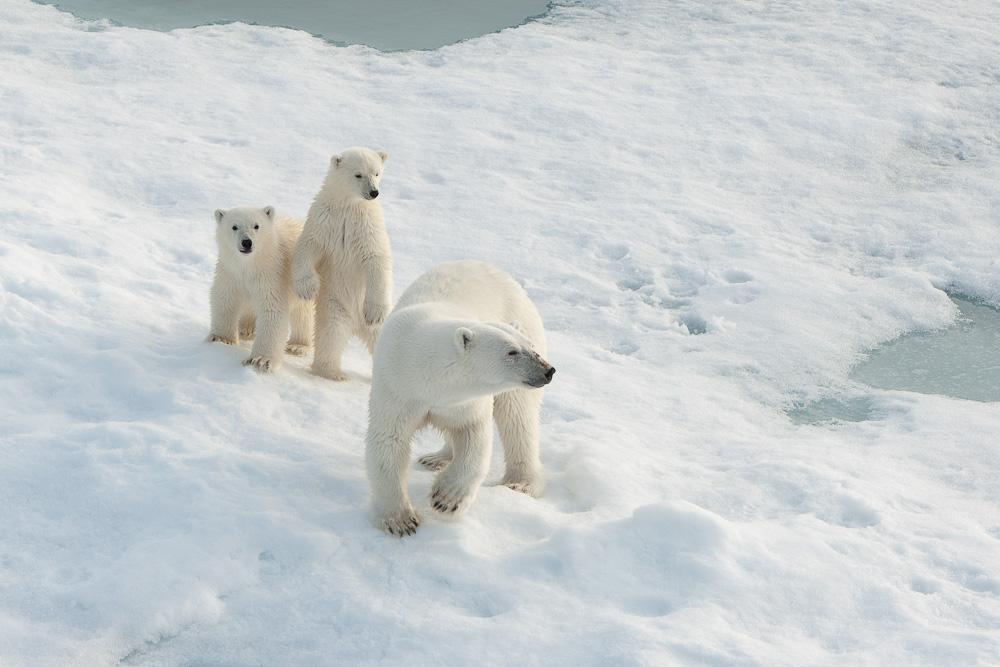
(252, 292)
(446, 358)
(343, 260)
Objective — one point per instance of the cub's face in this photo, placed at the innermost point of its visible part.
(359, 171)
(501, 358)
(240, 228)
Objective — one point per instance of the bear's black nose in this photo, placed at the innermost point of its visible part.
(373, 194)
(549, 373)
(246, 243)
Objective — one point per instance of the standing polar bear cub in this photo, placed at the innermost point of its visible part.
(252, 287)
(448, 358)
(343, 260)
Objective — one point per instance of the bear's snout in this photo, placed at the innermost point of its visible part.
(373, 194)
(246, 245)
(543, 377)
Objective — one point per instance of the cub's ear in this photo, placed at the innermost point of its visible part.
(383, 155)
(335, 161)
(269, 212)
(518, 327)
(463, 337)
(218, 215)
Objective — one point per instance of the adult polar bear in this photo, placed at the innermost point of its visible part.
(446, 358)
(342, 259)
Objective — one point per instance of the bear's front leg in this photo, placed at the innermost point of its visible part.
(455, 488)
(516, 415)
(227, 305)
(387, 456)
(272, 327)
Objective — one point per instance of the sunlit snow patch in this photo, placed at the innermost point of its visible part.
(388, 25)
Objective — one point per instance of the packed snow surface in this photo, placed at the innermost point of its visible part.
(719, 208)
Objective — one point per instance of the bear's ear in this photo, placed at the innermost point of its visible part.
(335, 161)
(269, 212)
(218, 215)
(517, 325)
(463, 337)
(383, 155)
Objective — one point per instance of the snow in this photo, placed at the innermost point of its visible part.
(719, 208)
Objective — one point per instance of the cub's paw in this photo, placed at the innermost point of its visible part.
(523, 487)
(449, 499)
(435, 461)
(215, 338)
(265, 364)
(306, 288)
(375, 313)
(400, 524)
(247, 334)
(532, 485)
(331, 374)
(296, 350)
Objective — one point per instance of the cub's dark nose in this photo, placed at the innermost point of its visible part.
(373, 194)
(246, 245)
(549, 373)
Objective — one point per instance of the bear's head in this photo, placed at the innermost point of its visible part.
(241, 228)
(356, 172)
(498, 357)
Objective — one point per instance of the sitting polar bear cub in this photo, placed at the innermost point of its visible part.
(253, 288)
(445, 358)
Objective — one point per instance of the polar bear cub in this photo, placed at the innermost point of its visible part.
(252, 287)
(343, 260)
(448, 358)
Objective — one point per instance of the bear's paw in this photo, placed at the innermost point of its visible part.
(216, 338)
(265, 364)
(375, 312)
(435, 461)
(305, 287)
(401, 524)
(296, 350)
(450, 498)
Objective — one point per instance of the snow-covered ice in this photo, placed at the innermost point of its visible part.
(719, 207)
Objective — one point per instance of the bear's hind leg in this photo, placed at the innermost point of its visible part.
(301, 339)
(333, 329)
(455, 488)
(516, 415)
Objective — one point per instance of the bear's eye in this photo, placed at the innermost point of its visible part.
(357, 175)
(256, 226)
(235, 228)
(512, 353)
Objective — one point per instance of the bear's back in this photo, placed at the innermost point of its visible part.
(481, 292)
